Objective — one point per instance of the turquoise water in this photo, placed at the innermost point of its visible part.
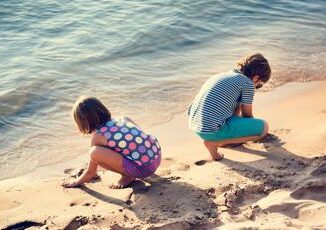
(146, 59)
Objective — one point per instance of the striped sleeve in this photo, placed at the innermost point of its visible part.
(247, 94)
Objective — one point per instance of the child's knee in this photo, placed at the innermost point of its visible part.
(94, 153)
(265, 131)
(210, 144)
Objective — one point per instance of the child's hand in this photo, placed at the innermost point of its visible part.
(71, 184)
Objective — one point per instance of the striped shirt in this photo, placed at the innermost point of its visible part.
(218, 99)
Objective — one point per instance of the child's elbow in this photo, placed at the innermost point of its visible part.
(248, 115)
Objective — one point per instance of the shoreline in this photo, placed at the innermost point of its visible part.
(287, 90)
(262, 168)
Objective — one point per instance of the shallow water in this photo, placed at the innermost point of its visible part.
(145, 59)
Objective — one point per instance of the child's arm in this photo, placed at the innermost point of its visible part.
(90, 172)
(246, 110)
(98, 139)
(237, 111)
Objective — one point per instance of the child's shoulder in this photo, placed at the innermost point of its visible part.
(121, 122)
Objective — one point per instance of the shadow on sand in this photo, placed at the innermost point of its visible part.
(281, 168)
(161, 199)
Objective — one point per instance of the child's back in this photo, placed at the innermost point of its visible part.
(217, 100)
(125, 137)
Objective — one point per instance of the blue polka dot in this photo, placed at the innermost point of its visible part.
(107, 135)
(150, 153)
(124, 129)
(135, 155)
(117, 136)
(134, 131)
(109, 123)
(142, 149)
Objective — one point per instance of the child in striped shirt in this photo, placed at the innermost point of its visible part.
(221, 113)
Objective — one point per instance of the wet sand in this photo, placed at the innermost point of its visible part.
(278, 182)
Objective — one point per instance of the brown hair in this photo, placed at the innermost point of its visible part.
(255, 64)
(89, 114)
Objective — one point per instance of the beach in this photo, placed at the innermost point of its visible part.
(142, 59)
(276, 183)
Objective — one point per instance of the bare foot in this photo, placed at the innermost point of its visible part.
(95, 178)
(217, 156)
(212, 148)
(123, 182)
(71, 184)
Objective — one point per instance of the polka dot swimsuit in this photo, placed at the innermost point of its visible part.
(127, 139)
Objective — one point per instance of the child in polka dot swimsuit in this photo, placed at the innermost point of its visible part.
(118, 145)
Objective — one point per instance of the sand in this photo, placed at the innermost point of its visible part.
(277, 183)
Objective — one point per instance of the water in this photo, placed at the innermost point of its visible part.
(142, 58)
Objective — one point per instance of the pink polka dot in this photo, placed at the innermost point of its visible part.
(144, 158)
(139, 163)
(126, 151)
(132, 146)
(113, 129)
(104, 129)
(156, 156)
(111, 143)
(128, 137)
(154, 149)
(107, 135)
(147, 144)
(143, 135)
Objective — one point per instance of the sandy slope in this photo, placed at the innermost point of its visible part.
(278, 183)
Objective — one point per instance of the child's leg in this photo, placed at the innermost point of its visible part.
(245, 139)
(112, 161)
(107, 159)
(212, 146)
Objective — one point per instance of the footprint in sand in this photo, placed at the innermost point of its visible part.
(77, 222)
(281, 131)
(68, 171)
(200, 163)
(321, 170)
(312, 192)
(182, 167)
(167, 162)
(7, 204)
(82, 202)
(169, 165)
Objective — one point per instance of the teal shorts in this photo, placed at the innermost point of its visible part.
(235, 127)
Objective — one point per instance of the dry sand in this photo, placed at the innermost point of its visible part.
(278, 183)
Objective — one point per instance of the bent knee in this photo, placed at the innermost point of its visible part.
(94, 153)
(209, 143)
(265, 130)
